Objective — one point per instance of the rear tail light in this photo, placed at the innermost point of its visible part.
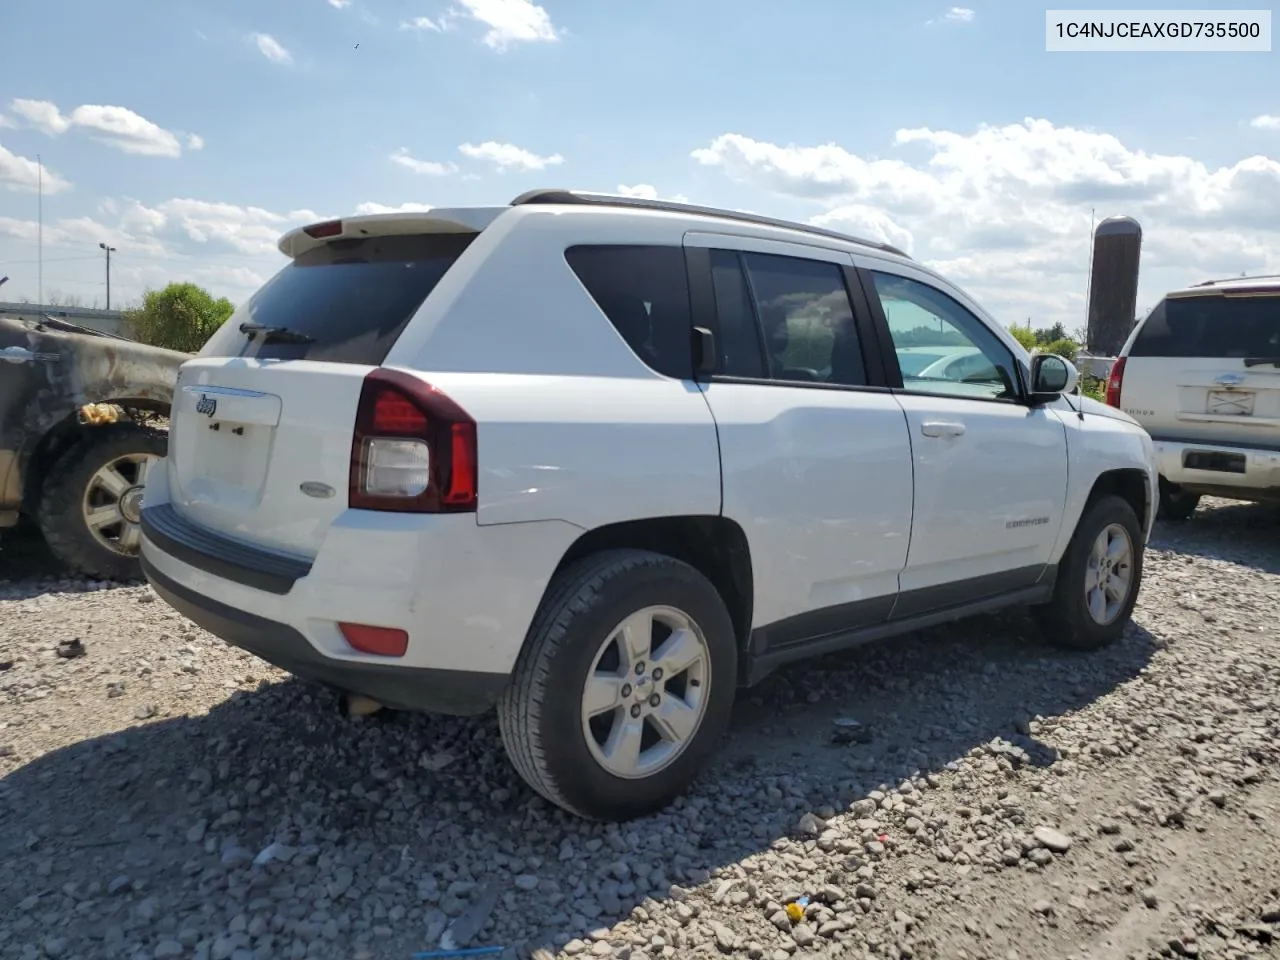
(413, 450)
(1115, 383)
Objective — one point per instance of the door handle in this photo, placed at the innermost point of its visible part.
(939, 428)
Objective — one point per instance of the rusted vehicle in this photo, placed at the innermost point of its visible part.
(83, 416)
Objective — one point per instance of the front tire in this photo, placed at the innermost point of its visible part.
(625, 684)
(1099, 578)
(88, 513)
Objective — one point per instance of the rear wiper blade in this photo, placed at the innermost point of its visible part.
(275, 334)
(1261, 361)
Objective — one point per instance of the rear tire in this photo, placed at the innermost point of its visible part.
(575, 704)
(89, 509)
(1176, 504)
(1099, 578)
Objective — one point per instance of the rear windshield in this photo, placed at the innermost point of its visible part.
(344, 302)
(1216, 327)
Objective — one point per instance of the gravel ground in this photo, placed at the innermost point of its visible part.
(164, 796)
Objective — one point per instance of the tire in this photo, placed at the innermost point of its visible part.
(1176, 504)
(74, 487)
(558, 752)
(1066, 619)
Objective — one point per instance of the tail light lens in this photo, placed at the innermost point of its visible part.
(413, 449)
(1115, 383)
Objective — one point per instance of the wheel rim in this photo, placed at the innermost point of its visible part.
(112, 503)
(1109, 577)
(646, 693)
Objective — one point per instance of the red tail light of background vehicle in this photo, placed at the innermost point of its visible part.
(1115, 383)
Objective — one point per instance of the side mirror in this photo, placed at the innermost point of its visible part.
(1051, 377)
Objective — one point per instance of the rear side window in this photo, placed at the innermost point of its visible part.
(1216, 327)
(644, 291)
(345, 302)
(803, 316)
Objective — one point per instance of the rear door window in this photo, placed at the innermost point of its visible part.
(345, 302)
(737, 332)
(1216, 327)
(785, 318)
(644, 291)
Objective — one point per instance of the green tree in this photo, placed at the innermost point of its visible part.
(1024, 335)
(1064, 347)
(182, 317)
(1051, 334)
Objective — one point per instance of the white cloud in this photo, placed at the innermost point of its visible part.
(227, 248)
(954, 15)
(866, 222)
(423, 24)
(1006, 210)
(511, 21)
(42, 115)
(246, 229)
(370, 208)
(195, 141)
(120, 127)
(271, 48)
(506, 156)
(647, 191)
(25, 175)
(431, 168)
(1265, 122)
(339, 4)
(6, 123)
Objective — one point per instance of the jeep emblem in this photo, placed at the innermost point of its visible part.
(207, 405)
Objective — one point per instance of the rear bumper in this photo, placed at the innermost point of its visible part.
(1208, 467)
(456, 692)
(465, 594)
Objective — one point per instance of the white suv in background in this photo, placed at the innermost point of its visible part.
(599, 462)
(1202, 373)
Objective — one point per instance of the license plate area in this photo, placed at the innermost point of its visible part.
(1230, 403)
(1215, 461)
(224, 450)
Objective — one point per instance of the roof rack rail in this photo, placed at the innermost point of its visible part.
(1259, 276)
(553, 195)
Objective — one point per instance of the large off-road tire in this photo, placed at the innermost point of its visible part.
(1099, 578)
(89, 509)
(1175, 503)
(629, 649)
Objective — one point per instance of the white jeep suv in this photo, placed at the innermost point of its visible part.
(1202, 373)
(599, 462)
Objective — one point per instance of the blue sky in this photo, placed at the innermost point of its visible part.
(189, 135)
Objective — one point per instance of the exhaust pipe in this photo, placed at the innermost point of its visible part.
(358, 705)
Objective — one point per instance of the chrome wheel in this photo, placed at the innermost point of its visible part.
(112, 503)
(646, 693)
(1109, 576)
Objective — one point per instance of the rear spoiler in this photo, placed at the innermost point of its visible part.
(457, 220)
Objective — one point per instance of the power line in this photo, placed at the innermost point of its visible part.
(231, 258)
(47, 260)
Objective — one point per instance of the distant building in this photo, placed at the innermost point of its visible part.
(106, 321)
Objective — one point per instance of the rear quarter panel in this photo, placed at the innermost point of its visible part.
(572, 425)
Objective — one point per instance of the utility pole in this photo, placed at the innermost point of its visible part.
(110, 250)
(39, 230)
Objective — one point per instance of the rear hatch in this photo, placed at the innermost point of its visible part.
(1205, 366)
(263, 417)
